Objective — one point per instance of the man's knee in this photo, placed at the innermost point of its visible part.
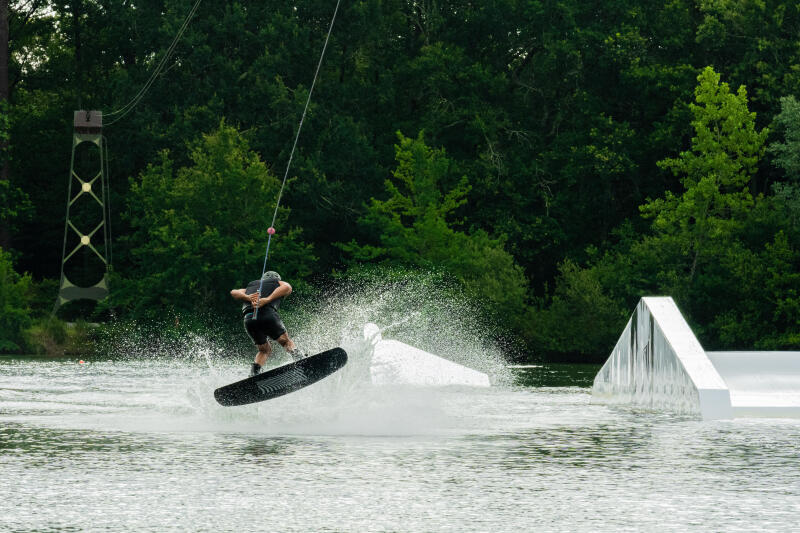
(283, 339)
(264, 348)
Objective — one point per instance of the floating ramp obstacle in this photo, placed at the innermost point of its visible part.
(659, 364)
(396, 363)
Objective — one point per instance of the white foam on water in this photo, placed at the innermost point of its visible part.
(344, 403)
(415, 308)
(167, 384)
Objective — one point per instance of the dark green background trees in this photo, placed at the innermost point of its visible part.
(530, 135)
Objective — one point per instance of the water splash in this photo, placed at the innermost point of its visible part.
(419, 310)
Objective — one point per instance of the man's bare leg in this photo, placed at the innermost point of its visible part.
(264, 351)
(286, 342)
(290, 347)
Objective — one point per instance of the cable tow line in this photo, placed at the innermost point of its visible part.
(271, 229)
(127, 108)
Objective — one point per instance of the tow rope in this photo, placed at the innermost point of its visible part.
(271, 229)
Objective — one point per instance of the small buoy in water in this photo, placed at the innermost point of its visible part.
(271, 230)
(81, 362)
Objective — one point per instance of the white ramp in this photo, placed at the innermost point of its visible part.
(659, 364)
(761, 383)
(396, 363)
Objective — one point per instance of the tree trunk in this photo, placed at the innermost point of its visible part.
(3, 50)
(5, 235)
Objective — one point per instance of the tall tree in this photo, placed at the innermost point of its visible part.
(3, 58)
(414, 227)
(787, 154)
(4, 233)
(716, 172)
(19, 30)
(201, 229)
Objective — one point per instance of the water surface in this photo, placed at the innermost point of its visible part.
(140, 445)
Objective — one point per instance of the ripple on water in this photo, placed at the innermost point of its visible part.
(142, 446)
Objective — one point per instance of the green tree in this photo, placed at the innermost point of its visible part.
(14, 311)
(754, 43)
(557, 112)
(581, 319)
(728, 258)
(15, 206)
(786, 155)
(200, 230)
(414, 227)
(715, 173)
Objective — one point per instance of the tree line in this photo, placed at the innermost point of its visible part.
(558, 160)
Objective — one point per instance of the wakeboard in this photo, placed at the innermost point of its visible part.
(282, 380)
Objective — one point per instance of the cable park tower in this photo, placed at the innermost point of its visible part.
(86, 252)
(86, 259)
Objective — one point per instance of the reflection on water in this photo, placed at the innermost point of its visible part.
(139, 446)
(555, 375)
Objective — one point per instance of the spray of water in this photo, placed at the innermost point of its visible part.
(418, 309)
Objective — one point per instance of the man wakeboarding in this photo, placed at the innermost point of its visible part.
(261, 319)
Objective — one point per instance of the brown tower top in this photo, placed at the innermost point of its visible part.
(88, 121)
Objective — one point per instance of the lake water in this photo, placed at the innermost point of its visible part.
(140, 445)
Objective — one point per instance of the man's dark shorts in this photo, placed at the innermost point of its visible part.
(268, 323)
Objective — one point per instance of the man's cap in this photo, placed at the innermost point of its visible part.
(271, 275)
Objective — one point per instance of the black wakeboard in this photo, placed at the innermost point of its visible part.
(282, 380)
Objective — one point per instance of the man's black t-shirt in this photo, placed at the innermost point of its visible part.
(266, 289)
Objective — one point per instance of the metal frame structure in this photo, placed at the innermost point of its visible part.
(88, 128)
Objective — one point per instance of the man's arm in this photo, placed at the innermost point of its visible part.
(282, 290)
(239, 294)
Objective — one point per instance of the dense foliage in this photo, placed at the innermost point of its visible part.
(412, 229)
(200, 228)
(731, 259)
(14, 311)
(559, 159)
